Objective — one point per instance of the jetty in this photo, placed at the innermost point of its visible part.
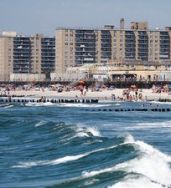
(24, 100)
(129, 110)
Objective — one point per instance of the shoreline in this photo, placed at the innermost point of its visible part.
(104, 94)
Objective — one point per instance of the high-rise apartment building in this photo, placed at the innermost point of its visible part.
(47, 55)
(72, 47)
(26, 55)
(135, 45)
(6, 58)
(22, 56)
(35, 54)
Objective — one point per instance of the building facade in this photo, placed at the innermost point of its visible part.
(138, 44)
(73, 47)
(21, 55)
(6, 58)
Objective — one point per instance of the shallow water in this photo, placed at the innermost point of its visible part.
(70, 145)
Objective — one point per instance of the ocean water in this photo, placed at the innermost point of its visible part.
(75, 145)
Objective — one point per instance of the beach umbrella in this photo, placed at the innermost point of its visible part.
(81, 82)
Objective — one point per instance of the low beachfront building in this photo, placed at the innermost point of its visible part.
(116, 72)
(14, 77)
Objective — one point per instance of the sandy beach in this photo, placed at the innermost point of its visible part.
(103, 94)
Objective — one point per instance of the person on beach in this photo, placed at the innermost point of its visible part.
(140, 96)
(81, 90)
(84, 93)
(113, 97)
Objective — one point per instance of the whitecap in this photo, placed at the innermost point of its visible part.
(87, 132)
(27, 164)
(90, 182)
(86, 174)
(48, 162)
(117, 104)
(39, 104)
(40, 123)
(129, 139)
(83, 105)
(94, 131)
(150, 163)
(60, 160)
(64, 159)
(164, 124)
(158, 102)
(150, 125)
(9, 106)
(81, 134)
(137, 183)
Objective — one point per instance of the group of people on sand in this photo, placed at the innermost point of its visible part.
(160, 89)
(83, 90)
(129, 95)
(132, 95)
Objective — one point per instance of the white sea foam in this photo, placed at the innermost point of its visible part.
(40, 123)
(158, 102)
(83, 105)
(48, 162)
(117, 104)
(9, 106)
(81, 134)
(86, 174)
(94, 131)
(129, 139)
(39, 104)
(60, 160)
(64, 159)
(151, 163)
(27, 164)
(90, 182)
(137, 183)
(152, 125)
(6, 105)
(165, 124)
(87, 132)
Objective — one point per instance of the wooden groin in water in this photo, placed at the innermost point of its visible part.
(129, 110)
(22, 99)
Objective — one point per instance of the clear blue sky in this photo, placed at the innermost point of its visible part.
(43, 16)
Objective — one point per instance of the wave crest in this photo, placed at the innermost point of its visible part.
(138, 182)
(151, 163)
(87, 132)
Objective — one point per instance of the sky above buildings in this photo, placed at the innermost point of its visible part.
(44, 16)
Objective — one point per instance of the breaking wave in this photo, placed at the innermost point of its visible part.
(150, 168)
(151, 165)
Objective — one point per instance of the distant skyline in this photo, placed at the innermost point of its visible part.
(44, 16)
